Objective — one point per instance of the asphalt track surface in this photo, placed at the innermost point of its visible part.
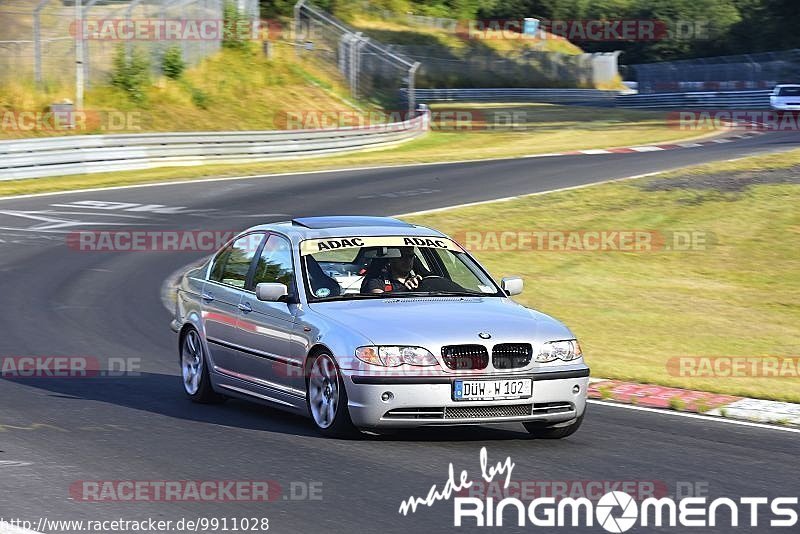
(57, 301)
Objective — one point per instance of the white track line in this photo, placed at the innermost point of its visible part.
(646, 148)
(695, 416)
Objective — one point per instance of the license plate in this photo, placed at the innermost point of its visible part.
(518, 388)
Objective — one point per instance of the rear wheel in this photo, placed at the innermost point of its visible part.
(326, 398)
(194, 370)
(557, 431)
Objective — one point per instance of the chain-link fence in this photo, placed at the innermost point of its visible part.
(740, 72)
(373, 71)
(41, 40)
(478, 65)
(35, 39)
(489, 69)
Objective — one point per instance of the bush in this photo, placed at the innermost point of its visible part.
(199, 98)
(131, 73)
(172, 63)
(236, 27)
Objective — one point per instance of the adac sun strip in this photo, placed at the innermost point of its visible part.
(312, 246)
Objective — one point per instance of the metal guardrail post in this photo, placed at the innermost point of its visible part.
(297, 7)
(37, 40)
(353, 58)
(81, 14)
(80, 55)
(412, 97)
(360, 43)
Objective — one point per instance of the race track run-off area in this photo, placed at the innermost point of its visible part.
(57, 435)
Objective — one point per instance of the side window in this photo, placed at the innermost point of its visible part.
(219, 264)
(233, 263)
(275, 263)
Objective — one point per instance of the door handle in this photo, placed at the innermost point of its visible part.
(207, 296)
(245, 307)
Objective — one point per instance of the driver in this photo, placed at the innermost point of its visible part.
(397, 275)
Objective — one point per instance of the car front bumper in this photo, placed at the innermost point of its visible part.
(558, 396)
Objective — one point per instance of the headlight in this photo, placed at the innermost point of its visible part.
(392, 356)
(566, 350)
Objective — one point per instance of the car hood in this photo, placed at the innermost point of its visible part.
(435, 321)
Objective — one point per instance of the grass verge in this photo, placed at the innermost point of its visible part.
(635, 311)
(230, 90)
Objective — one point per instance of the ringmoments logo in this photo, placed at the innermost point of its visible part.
(615, 511)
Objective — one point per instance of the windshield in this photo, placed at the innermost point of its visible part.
(789, 91)
(397, 266)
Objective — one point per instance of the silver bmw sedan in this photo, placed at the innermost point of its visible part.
(372, 323)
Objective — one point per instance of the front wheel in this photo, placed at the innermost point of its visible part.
(194, 370)
(540, 431)
(326, 398)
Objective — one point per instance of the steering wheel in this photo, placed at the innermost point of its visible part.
(438, 283)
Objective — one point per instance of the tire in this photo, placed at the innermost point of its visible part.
(194, 370)
(326, 398)
(540, 431)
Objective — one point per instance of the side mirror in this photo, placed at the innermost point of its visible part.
(512, 285)
(271, 291)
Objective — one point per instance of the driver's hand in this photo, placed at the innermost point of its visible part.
(412, 282)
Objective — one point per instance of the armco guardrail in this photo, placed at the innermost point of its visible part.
(593, 97)
(708, 100)
(81, 154)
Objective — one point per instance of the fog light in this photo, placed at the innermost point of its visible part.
(387, 396)
(576, 389)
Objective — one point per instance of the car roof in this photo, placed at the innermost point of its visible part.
(348, 221)
(302, 228)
